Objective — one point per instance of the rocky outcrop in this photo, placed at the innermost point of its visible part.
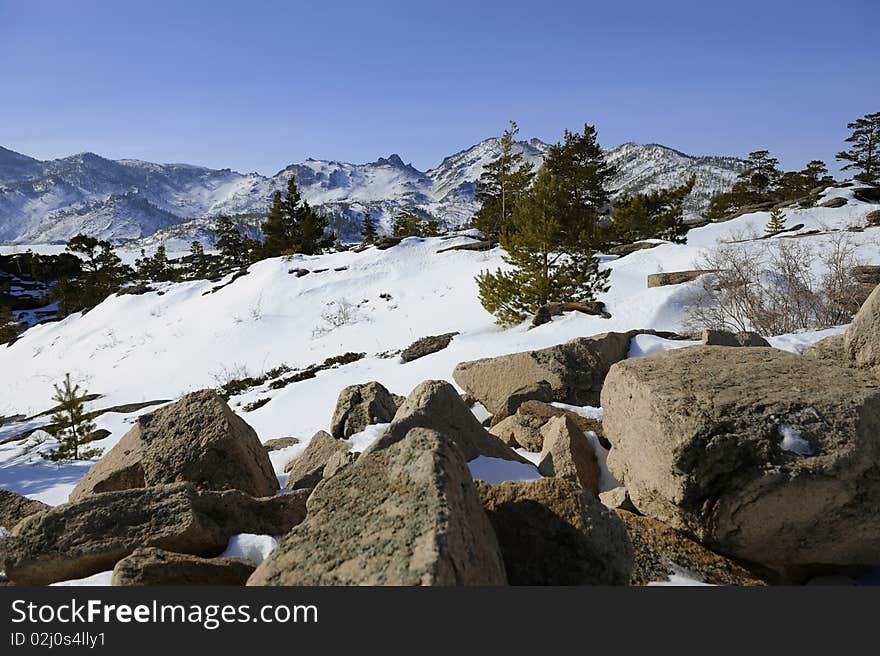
(568, 454)
(551, 532)
(763, 455)
(91, 535)
(278, 443)
(197, 439)
(306, 471)
(861, 341)
(873, 218)
(724, 338)
(675, 277)
(867, 194)
(523, 428)
(574, 370)
(150, 566)
(617, 499)
(405, 514)
(539, 391)
(828, 348)
(435, 404)
(661, 552)
(546, 312)
(359, 406)
(426, 346)
(14, 508)
(833, 203)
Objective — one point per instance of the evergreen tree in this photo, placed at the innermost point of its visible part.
(776, 223)
(583, 175)
(502, 184)
(368, 232)
(761, 176)
(71, 423)
(411, 225)
(864, 154)
(653, 215)
(799, 184)
(199, 261)
(155, 267)
(102, 274)
(230, 243)
(9, 326)
(549, 258)
(292, 226)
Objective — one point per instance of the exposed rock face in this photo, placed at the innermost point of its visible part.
(867, 194)
(861, 341)
(873, 218)
(91, 535)
(539, 391)
(661, 551)
(724, 338)
(197, 439)
(568, 454)
(278, 443)
(359, 406)
(575, 371)
(617, 499)
(308, 469)
(406, 514)
(15, 507)
(828, 348)
(436, 405)
(523, 428)
(551, 532)
(869, 274)
(150, 566)
(833, 202)
(546, 312)
(426, 346)
(675, 277)
(763, 455)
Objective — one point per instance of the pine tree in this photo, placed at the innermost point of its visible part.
(502, 184)
(412, 225)
(549, 259)
(9, 326)
(579, 166)
(71, 423)
(155, 267)
(653, 215)
(230, 243)
(776, 223)
(198, 260)
(292, 226)
(762, 174)
(864, 154)
(102, 273)
(368, 232)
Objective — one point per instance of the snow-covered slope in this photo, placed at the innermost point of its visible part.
(154, 346)
(121, 200)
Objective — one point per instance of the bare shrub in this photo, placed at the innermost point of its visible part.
(773, 288)
(337, 314)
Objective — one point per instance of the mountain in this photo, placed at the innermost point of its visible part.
(122, 200)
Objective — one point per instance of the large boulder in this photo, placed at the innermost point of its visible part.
(426, 346)
(523, 428)
(406, 514)
(828, 348)
(436, 405)
(675, 277)
(575, 371)
(552, 532)
(307, 470)
(151, 566)
(763, 455)
(91, 535)
(359, 406)
(567, 453)
(198, 439)
(861, 341)
(725, 338)
(661, 552)
(14, 508)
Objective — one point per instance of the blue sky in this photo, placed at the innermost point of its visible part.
(256, 85)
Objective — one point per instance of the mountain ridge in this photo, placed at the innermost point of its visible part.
(131, 199)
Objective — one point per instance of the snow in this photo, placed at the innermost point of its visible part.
(252, 547)
(361, 441)
(498, 470)
(99, 579)
(680, 577)
(793, 441)
(149, 347)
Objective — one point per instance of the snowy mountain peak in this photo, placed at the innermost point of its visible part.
(43, 201)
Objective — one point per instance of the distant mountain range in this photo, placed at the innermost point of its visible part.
(123, 200)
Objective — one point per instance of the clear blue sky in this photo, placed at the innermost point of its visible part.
(256, 85)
